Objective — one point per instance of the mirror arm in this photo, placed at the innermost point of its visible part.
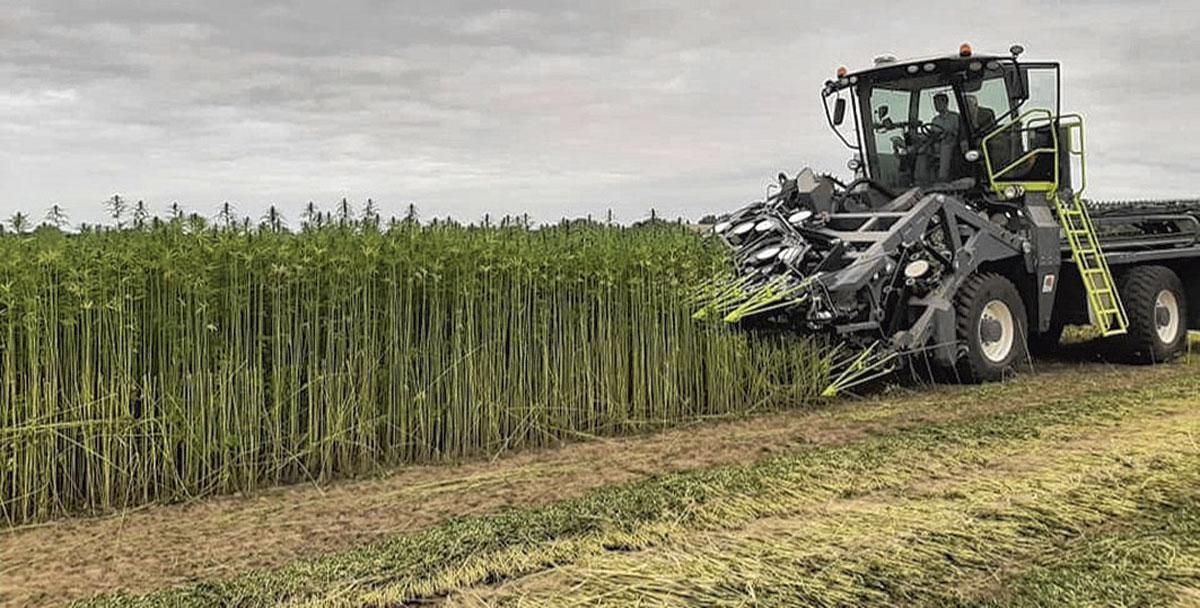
(829, 117)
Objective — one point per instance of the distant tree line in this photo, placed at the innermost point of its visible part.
(136, 215)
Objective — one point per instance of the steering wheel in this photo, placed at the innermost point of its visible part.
(930, 131)
(929, 134)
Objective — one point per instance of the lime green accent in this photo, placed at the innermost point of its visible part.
(774, 295)
(873, 362)
(997, 179)
(1108, 314)
(735, 298)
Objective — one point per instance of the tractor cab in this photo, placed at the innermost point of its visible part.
(949, 123)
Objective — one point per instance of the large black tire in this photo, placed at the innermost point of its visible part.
(1156, 304)
(991, 327)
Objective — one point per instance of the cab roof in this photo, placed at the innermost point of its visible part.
(886, 62)
(888, 68)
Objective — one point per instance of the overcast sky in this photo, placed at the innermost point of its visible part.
(553, 109)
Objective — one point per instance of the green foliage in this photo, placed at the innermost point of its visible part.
(175, 359)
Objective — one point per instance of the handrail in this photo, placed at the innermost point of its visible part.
(1104, 302)
(1028, 155)
(1036, 185)
(1074, 132)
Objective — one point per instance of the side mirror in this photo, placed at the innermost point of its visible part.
(839, 111)
(1017, 81)
(882, 112)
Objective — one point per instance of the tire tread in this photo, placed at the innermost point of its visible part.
(970, 367)
(1138, 291)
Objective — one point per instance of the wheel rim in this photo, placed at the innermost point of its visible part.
(1166, 316)
(997, 331)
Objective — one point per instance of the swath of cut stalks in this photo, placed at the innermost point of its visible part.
(910, 547)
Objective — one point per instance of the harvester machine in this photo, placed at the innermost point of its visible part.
(963, 236)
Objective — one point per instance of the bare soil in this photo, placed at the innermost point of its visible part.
(166, 545)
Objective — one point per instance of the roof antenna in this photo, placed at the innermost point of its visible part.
(1016, 50)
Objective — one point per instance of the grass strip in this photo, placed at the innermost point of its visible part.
(466, 552)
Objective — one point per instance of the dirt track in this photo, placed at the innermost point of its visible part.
(169, 545)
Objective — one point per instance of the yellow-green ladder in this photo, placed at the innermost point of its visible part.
(1108, 314)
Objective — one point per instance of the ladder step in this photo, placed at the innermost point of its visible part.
(1103, 299)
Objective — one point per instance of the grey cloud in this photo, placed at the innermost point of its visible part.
(542, 107)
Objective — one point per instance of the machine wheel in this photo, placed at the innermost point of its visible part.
(991, 327)
(1156, 305)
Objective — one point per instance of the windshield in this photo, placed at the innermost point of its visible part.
(921, 124)
(918, 133)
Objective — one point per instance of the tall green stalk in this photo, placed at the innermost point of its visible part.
(179, 360)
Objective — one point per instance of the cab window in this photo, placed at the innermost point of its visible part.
(889, 107)
(1025, 151)
(927, 110)
(987, 107)
(939, 158)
